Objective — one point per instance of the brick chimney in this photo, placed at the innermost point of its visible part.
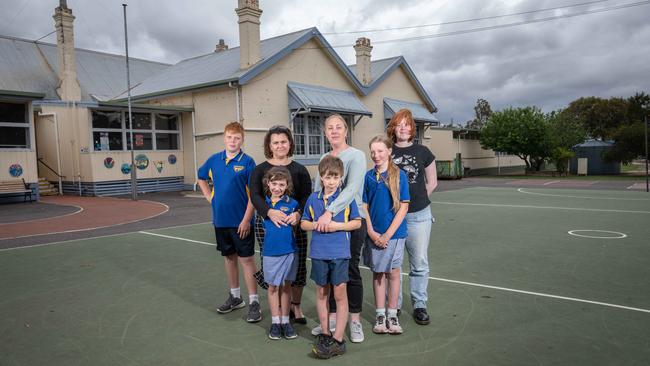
(68, 85)
(249, 33)
(221, 46)
(363, 49)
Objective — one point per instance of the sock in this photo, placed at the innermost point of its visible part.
(285, 320)
(379, 312)
(253, 298)
(392, 313)
(235, 292)
(275, 319)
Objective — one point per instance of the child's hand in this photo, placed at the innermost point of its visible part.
(244, 229)
(277, 217)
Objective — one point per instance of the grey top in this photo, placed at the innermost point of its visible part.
(354, 172)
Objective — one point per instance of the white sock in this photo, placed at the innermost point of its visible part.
(379, 312)
(285, 320)
(392, 313)
(235, 292)
(252, 298)
(275, 320)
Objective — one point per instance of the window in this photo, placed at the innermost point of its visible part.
(14, 126)
(151, 131)
(309, 137)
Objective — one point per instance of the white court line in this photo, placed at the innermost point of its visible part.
(542, 207)
(521, 190)
(460, 282)
(551, 182)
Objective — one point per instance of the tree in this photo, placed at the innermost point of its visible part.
(600, 117)
(523, 132)
(482, 112)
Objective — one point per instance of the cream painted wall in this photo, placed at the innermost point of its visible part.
(25, 157)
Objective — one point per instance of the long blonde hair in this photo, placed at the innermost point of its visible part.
(393, 171)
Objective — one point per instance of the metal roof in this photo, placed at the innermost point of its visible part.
(320, 99)
(29, 66)
(420, 112)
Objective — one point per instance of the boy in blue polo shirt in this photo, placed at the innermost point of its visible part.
(280, 265)
(232, 212)
(330, 254)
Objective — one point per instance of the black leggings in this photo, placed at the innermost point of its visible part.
(355, 285)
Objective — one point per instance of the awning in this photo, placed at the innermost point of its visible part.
(420, 113)
(320, 99)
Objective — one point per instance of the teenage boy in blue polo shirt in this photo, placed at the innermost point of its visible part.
(330, 255)
(232, 212)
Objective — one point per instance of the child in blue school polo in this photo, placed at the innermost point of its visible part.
(232, 212)
(386, 200)
(330, 255)
(278, 253)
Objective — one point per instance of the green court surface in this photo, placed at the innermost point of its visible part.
(509, 286)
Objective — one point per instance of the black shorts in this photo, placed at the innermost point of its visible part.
(229, 242)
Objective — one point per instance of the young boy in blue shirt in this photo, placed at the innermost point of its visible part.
(330, 255)
(232, 213)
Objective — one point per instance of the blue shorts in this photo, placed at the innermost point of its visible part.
(329, 271)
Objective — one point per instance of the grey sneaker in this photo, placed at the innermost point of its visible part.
(356, 332)
(232, 303)
(393, 326)
(318, 330)
(254, 312)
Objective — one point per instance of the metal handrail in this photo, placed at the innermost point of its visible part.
(40, 160)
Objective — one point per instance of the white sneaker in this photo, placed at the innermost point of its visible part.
(318, 330)
(356, 332)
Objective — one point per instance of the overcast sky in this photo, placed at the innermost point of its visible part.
(547, 64)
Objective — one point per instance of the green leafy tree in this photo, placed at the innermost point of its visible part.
(523, 132)
(482, 112)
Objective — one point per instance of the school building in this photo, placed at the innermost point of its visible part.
(63, 110)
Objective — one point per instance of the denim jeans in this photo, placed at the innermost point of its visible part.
(417, 245)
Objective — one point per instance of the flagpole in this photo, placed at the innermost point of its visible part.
(134, 178)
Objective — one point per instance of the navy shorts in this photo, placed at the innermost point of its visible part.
(229, 242)
(329, 271)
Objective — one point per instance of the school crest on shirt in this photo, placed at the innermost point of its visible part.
(238, 168)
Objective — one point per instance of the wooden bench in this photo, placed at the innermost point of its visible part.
(15, 187)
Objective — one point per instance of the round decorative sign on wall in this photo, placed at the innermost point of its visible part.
(171, 159)
(109, 163)
(141, 161)
(126, 168)
(15, 170)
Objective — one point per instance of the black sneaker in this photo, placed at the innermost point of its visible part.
(275, 332)
(254, 312)
(259, 277)
(421, 317)
(328, 347)
(232, 303)
(288, 331)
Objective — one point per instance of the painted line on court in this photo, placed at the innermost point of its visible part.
(619, 234)
(521, 190)
(540, 207)
(458, 282)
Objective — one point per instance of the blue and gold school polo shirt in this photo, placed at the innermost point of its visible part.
(231, 178)
(279, 240)
(335, 245)
(380, 203)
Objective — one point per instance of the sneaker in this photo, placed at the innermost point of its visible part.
(380, 325)
(288, 331)
(420, 316)
(318, 330)
(232, 303)
(356, 332)
(393, 326)
(328, 347)
(254, 312)
(259, 277)
(275, 332)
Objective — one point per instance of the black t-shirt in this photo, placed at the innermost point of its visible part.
(412, 160)
(301, 185)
